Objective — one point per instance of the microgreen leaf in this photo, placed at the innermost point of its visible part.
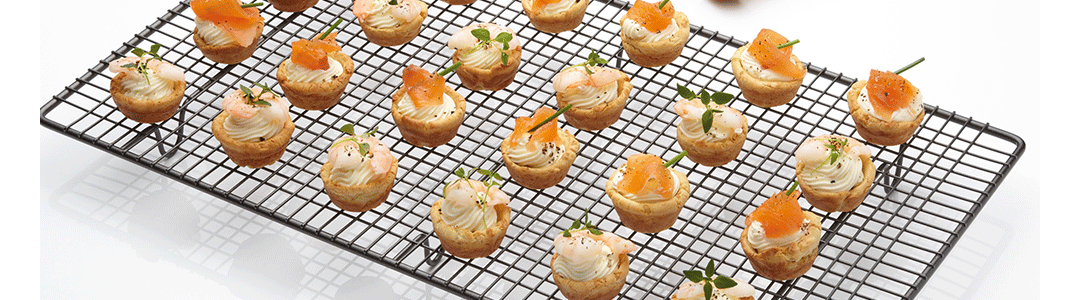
(460, 172)
(794, 185)
(704, 95)
(685, 92)
(504, 37)
(722, 98)
(662, 6)
(905, 68)
(363, 148)
(484, 172)
(710, 269)
(595, 231)
(693, 275)
(724, 282)
(505, 58)
(552, 117)
(481, 34)
(788, 44)
(262, 103)
(154, 49)
(138, 51)
(675, 159)
(576, 224)
(131, 65)
(706, 120)
(393, 2)
(708, 290)
(348, 129)
(251, 5)
(265, 89)
(247, 92)
(371, 132)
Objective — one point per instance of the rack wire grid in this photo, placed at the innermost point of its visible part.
(926, 194)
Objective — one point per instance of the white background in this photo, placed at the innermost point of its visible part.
(983, 61)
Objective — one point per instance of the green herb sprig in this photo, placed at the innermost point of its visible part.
(255, 4)
(140, 65)
(493, 179)
(484, 36)
(905, 68)
(675, 160)
(582, 224)
(662, 6)
(835, 146)
(393, 2)
(719, 98)
(331, 29)
(593, 60)
(788, 44)
(253, 99)
(552, 117)
(449, 69)
(794, 185)
(349, 129)
(720, 281)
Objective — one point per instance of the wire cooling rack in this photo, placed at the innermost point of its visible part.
(927, 192)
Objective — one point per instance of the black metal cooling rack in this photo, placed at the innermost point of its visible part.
(928, 191)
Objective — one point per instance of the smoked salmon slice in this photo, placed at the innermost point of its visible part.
(763, 49)
(651, 16)
(779, 216)
(313, 53)
(889, 92)
(539, 4)
(238, 22)
(547, 133)
(646, 174)
(423, 87)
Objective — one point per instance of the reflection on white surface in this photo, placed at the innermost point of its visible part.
(251, 256)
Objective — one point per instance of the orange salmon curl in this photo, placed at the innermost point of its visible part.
(313, 53)
(646, 174)
(547, 133)
(889, 92)
(763, 49)
(651, 16)
(238, 22)
(779, 216)
(423, 87)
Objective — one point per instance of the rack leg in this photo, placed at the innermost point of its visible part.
(891, 181)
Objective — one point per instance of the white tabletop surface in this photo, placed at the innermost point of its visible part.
(97, 240)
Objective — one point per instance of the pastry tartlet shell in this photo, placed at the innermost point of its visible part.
(146, 111)
(292, 5)
(493, 79)
(877, 131)
(429, 133)
(651, 217)
(713, 153)
(839, 201)
(546, 176)
(761, 92)
(403, 33)
(558, 22)
(602, 288)
(789, 261)
(317, 95)
(466, 243)
(359, 198)
(229, 54)
(602, 115)
(658, 53)
(252, 155)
